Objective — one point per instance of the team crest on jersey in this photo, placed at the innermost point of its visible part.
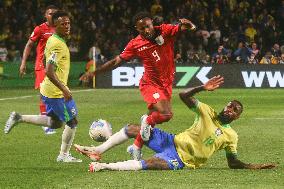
(218, 132)
(73, 111)
(156, 95)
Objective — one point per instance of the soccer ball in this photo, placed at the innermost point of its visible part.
(100, 130)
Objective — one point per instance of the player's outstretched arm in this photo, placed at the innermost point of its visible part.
(187, 95)
(234, 163)
(109, 65)
(26, 54)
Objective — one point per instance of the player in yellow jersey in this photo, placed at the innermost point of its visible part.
(55, 94)
(209, 133)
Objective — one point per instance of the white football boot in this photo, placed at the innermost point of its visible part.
(135, 153)
(67, 158)
(95, 166)
(145, 130)
(13, 119)
(48, 131)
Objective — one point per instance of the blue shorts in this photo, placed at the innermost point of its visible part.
(163, 144)
(64, 110)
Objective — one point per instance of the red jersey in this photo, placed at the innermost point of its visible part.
(40, 34)
(158, 60)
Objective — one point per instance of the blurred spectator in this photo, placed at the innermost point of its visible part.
(3, 52)
(74, 50)
(275, 50)
(221, 56)
(250, 31)
(156, 8)
(254, 49)
(202, 55)
(243, 53)
(266, 59)
(204, 34)
(14, 54)
(281, 61)
(216, 34)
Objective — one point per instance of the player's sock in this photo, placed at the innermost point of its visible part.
(37, 119)
(42, 107)
(132, 165)
(67, 139)
(113, 140)
(157, 118)
(138, 142)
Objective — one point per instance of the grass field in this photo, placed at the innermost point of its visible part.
(28, 156)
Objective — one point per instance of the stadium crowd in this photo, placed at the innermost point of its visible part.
(239, 31)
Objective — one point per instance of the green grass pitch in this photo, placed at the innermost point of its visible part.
(28, 156)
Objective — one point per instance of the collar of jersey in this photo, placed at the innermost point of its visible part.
(226, 126)
(58, 37)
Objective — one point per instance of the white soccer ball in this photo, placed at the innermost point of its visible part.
(100, 130)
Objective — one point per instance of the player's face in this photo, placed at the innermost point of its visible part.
(231, 112)
(63, 26)
(48, 15)
(145, 28)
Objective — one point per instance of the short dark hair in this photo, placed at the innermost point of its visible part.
(51, 7)
(238, 102)
(139, 16)
(58, 14)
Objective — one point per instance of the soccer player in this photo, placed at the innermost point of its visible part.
(209, 133)
(154, 46)
(54, 91)
(40, 35)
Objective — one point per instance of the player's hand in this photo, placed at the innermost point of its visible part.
(187, 23)
(23, 68)
(87, 76)
(262, 166)
(214, 83)
(67, 95)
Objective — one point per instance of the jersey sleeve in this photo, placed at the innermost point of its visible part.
(169, 30)
(36, 34)
(129, 51)
(203, 109)
(231, 148)
(53, 54)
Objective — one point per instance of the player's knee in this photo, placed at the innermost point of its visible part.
(132, 130)
(55, 123)
(72, 123)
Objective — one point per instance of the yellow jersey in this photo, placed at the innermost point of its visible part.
(56, 52)
(196, 144)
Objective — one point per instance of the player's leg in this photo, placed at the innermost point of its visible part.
(42, 107)
(39, 77)
(38, 120)
(67, 112)
(94, 152)
(159, 106)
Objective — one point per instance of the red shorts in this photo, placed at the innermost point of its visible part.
(39, 76)
(153, 94)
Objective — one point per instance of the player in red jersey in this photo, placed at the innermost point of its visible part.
(40, 35)
(154, 46)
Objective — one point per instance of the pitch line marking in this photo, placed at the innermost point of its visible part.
(23, 97)
(268, 118)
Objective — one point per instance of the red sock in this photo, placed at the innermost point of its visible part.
(42, 108)
(157, 118)
(138, 141)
